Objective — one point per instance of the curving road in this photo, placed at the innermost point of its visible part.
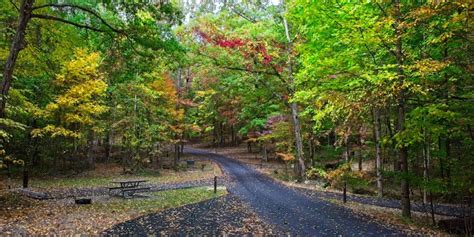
(289, 209)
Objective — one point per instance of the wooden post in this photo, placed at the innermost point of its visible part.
(25, 176)
(215, 184)
(344, 192)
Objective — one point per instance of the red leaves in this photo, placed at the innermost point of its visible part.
(247, 49)
(233, 43)
(267, 59)
(220, 40)
(262, 50)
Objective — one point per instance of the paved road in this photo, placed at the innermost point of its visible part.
(287, 208)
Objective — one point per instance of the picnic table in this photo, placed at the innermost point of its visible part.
(128, 188)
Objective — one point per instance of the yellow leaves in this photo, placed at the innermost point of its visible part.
(79, 101)
(422, 13)
(55, 131)
(144, 15)
(428, 66)
(205, 93)
(83, 67)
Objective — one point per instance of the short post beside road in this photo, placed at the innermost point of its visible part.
(215, 184)
(344, 192)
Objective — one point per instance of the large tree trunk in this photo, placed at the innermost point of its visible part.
(378, 152)
(403, 157)
(298, 139)
(294, 108)
(17, 45)
(401, 104)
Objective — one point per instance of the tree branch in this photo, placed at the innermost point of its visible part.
(216, 63)
(53, 18)
(90, 11)
(234, 10)
(16, 7)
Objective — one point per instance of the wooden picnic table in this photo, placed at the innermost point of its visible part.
(128, 188)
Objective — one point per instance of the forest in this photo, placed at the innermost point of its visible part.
(371, 98)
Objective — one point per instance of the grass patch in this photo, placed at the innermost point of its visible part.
(103, 176)
(158, 200)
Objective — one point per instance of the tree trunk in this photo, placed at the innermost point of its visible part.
(378, 152)
(298, 140)
(265, 153)
(17, 45)
(232, 134)
(441, 160)
(294, 108)
(222, 135)
(448, 162)
(311, 151)
(426, 165)
(214, 134)
(402, 150)
(347, 151)
(90, 152)
(107, 146)
(403, 157)
(359, 143)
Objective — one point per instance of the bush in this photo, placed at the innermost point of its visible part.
(314, 173)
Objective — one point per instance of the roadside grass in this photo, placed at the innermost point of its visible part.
(23, 216)
(419, 224)
(157, 200)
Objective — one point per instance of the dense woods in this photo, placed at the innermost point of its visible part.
(373, 97)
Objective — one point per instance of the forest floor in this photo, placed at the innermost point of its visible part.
(386, 210)
(60, 215)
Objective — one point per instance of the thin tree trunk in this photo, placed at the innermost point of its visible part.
(359, 152)
(441, 160)
(90, 152)
(378, 152)
(17, 45)
(265, 153)
(448, 162)
(107, 146)
(426, 165)
(311, 151)
(232, 134)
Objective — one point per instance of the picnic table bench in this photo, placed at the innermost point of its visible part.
(128, 188)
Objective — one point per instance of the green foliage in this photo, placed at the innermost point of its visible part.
(316, 173)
